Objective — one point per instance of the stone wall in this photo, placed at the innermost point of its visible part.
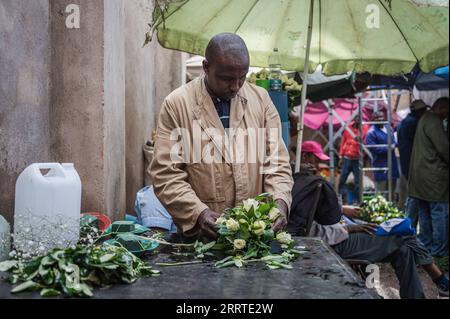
(152, 73)
(24, 92)
(90, 96)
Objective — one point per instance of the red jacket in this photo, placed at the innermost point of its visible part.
(350, 147)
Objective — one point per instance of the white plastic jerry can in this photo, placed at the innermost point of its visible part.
(47, 208)
(5, 239)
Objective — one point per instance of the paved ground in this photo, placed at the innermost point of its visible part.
(389, 284)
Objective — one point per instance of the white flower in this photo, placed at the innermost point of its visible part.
(249, 203)
(239, 244)
(220, 221)
(284, 238)
(274, 213)
(258, 227)
(232, 225)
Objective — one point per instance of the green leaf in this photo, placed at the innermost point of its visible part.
(26, 286)
(86, 290)
(265, 208)
(226, 259)
(269, 234)
(47, 261)
(107, 257)
(46, 292)
(238, 263)
(208, 246)
(8, 265)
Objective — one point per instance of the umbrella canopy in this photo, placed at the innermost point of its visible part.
(379, 37)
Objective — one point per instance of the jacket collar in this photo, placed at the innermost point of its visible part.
(206, 110)
(206, 113)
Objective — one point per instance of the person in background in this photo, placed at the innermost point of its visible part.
(405, 134)
(356, 241)
(349, 157)
(428, 178)
(378, 135)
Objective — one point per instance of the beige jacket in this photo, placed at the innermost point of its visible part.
(188, 186)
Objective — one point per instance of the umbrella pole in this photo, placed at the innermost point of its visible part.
(304, 89)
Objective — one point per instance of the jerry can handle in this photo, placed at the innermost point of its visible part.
(55, 168)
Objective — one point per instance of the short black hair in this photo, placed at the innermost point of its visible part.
(224, 44)
(440, 103)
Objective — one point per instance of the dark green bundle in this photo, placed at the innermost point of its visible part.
(75, 271)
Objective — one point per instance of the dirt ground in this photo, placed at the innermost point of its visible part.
(389, 284)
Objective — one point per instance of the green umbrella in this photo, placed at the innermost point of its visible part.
(375, 36)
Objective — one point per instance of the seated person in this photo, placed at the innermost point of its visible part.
(151, 213)
(356, 241)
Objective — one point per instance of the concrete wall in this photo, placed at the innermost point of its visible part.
(24, 92)
(77, 133)
(152, 73)
(90, 96)
(114, 107)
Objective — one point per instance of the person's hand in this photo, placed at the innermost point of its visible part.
(341, 162)
(362, 228)
(351, 211)
(207, 223)
(281, 222)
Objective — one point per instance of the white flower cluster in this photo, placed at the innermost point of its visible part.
(36, 235)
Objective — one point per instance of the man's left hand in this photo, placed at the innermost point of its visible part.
(351, 211)
(281, 222)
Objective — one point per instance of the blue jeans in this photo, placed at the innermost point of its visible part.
(412, 210)
(350, 166)
(433, 221)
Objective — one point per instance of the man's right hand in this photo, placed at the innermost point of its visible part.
(362, 228)
(207, 223)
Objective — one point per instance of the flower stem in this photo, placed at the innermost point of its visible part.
(179, 263)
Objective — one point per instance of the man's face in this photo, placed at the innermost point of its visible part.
(311, 159)
(379, 118)
(226, 75)
(442, 111)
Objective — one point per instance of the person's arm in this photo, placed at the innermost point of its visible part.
(277, 170)
(331, 234)
(351, 211)
(170, 178)
(436, 133)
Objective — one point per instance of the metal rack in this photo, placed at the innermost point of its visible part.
(362, 147)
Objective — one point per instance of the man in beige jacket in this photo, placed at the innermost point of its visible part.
(218, 142)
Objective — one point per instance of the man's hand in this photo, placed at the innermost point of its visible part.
(363, 228)
(351, 211)
(207, 223)
(281, 222)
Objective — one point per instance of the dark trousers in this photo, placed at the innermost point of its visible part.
(349, 166)
(403, 252)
